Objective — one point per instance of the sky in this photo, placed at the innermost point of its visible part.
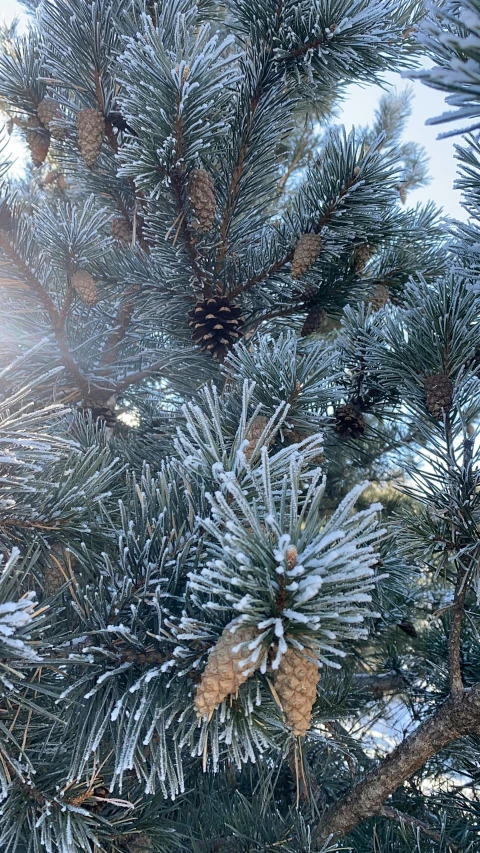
(358, 109)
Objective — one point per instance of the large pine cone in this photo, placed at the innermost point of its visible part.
(306, 253)
(215, 322)
(90, 130)
(38, 140)
(49, 114)
(201, 193)
(226, 670)
(349, 421)
(85, 287)
(438, 394)
(296, 681)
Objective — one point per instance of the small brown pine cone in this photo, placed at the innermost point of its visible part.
(201, 194)
(38, 140)
(349, 421)
(85, 287)
(90, 131)
(296, 681)
(225, 671)
(306, 253)
(120, 230)
(53, 577)
(62, 182)
(49, 114)
(314, 321)
(379, 297)
(215, 323)
(253, 434)
(361, 255)
(295, 436)
(438, 394)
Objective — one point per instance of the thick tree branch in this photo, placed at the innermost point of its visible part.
(457, 717)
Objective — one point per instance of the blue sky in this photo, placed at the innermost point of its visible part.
(358, 109)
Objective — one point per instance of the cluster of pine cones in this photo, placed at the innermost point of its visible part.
(295, 681)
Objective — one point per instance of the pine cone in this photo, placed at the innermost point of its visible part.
(85, 287)
(201, 194)
(438, 394)
(314, 321)
(295, 436)
(120, 230)
(379, 297)
(296, 681)
(215, 322)
(49, 114)
(254, 432)
(90, 130)
(105, 414)
(349, 421)
(306, 253)
(225, 671)
(38, 140)
(53, 577)
(361, 255)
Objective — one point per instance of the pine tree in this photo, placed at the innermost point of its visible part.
(225, 338)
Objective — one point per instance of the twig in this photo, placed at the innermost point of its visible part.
(401, 817)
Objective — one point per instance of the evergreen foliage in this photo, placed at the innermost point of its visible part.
(226, 448)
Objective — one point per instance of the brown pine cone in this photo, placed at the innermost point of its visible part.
(349, 421)
(314, 321)
(306, 253)
(226, 670)
(90, 131)
(438, 394)
(215, 322)
(49, 114)
(201, 194)
(253, 434)
(361, 255)
(379, 297)
(38, 140)
(120, 230)
(85, 287)
(296, 681)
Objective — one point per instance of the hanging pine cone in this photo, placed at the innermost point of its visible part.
(379, 297)
(215, 322)
(49, 114)
(306, 253)
(253, 434)
(296, 681)
(438, 394)
(55, 571)
(85, 287)
(314, 321)
(38, 140)
(120, 230)
(349, 421)
(90, 131)
(226, 670)
(361, 255)
(201, 194)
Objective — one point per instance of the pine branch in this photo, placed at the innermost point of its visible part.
(457, 717)
(55, 317)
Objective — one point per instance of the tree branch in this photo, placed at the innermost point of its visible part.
(54, 316)
(457, 717)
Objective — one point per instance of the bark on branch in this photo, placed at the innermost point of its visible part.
(458, 716)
